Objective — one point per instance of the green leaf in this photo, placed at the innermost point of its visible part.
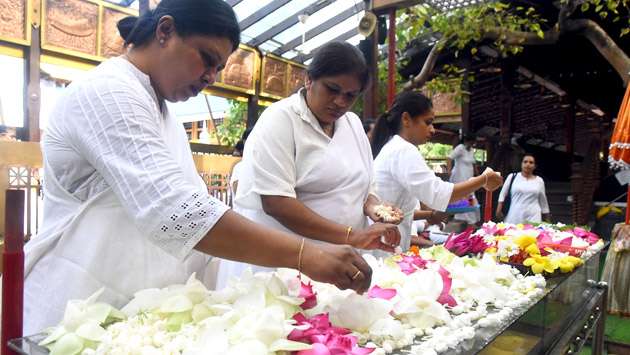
(598, 8)
(540, 34)
(624, 32)
(584, 7)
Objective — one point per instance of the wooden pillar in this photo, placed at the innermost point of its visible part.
(466, 126)
(370, 97)
(252, 106)
(32, 97)
(391, 58)
(569, 124)
(505, 100)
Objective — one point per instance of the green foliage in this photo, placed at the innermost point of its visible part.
(435, 150)
(233, 124)
(462, 30)
(618, 10)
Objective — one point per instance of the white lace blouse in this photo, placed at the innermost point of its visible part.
(109, 131)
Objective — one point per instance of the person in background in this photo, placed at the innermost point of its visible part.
(124, 206)
(461, 167)
(368, 127)
(528, 201)
(308, 165)
(236, 170)
(5, 135)
(401, 174)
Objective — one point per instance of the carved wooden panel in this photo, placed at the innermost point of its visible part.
(13, 18)
(274, 76)
(239, 69)
(111, 42)
(71, 24)
(445, 103)
(296, 79)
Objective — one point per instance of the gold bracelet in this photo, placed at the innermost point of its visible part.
(299, 265)
(348, 231)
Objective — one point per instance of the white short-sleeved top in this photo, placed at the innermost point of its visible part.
(107, 130)
(403, 178)
(288, 154)
(464, 160)
(528, 200)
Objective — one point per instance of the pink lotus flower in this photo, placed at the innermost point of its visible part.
(310, 297)
(325, 338)
(410, 263)
(383, 293)
(465, 243)
(590, 237)
(447, 281)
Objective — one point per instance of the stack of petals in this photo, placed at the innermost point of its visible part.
(325, 338)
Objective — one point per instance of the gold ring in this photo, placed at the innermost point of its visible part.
(356, 275)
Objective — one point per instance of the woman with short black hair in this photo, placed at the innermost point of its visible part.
(124, 207)
(307, 163)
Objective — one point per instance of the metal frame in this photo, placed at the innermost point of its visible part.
(352, 11)
(288, 22)
(345, 36)
(261, 13)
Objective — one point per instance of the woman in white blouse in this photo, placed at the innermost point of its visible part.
(461, 167)
(528, 201)
(402, 176)
(124, 208)
(307, 163)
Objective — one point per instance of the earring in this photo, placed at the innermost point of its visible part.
(161, 40)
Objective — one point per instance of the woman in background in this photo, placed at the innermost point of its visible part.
(402, 176)
(461, 167)
(528, 201)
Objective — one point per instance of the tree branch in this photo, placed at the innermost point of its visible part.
(617, 58)
(566, 11)
(427, 68)
(521, 38)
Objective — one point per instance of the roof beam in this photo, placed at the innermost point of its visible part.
(321, 28)
(288, 22)
(261, 13)
(349, 34)
(233, 2)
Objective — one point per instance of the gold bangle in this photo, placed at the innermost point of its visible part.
(348, 231)
(299, 265)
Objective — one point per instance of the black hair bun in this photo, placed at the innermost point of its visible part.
(126, 25)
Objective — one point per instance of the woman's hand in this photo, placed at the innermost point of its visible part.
(383, 212)
(499, 214)
(378, 236)
(492, 180)
(339, 265)
(437, 217)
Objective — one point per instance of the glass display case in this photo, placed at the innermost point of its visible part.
(570, 311)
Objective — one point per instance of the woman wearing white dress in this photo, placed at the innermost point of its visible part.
(402, 176)
(307, 165)
(461, 167)
(528, 198)
(124, 208)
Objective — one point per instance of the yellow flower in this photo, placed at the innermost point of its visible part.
(568, 263)
(541, 263)
(491, 250)
(523, 241)
(501, 225)
(520, 226)
(532, 249)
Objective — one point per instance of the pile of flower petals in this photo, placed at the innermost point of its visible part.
(428, 301)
